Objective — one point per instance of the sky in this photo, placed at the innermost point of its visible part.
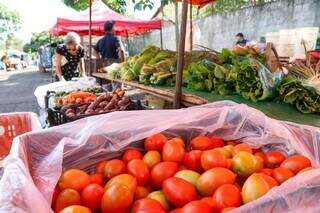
(40, 15)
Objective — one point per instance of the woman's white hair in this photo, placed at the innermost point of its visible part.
(72, 37)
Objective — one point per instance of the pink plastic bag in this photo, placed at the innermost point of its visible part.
(37, 159)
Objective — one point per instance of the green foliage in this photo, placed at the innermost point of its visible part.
(39, 39)
(116, 5)
(10, 20)
(14, 43)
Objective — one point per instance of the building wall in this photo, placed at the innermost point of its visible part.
(218, 31)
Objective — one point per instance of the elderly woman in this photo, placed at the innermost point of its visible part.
(69, 56)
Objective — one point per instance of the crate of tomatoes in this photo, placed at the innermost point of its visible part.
(220, 157)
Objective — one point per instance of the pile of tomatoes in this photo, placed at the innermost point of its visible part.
(214, 176)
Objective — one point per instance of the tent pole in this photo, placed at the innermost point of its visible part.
(161, 36)
(176, 24)
(90, 37)
(191, 28)
(180, 59)
(128, 42)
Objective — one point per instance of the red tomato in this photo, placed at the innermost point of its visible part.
(209, 201)
(97, 178)
(131, 154)
(141, 192)
(196, 206)
(76, 209)
(213, 158)
(146, 204)
(55, 195)
(282, 174)
(210, 180)
(192, 161)
(296, 163)
(152, 158)
(260, 154)
(266, 171)
(227, 195)
(91, 196)
(100, 167)
(155, 142)
(74, 179)
(162, 171)
(139, 170)
(178, 191)
(173, 151)
(218, 142)
(113, 168)
(242, 147)
(273, 159)
(67, 198)
(201, 142)
(117, 198)
(123, 179)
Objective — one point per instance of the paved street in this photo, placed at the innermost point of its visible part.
(17, 87)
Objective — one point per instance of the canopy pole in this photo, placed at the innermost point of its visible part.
(191, 28)
(180, 59)
(90, 37)
(127, 37)
(176, 24)
(161, 35)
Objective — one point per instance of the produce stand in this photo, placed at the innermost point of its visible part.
(281, 111)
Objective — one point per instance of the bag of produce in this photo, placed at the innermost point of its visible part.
(37, 159)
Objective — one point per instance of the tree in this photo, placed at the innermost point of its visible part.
(116, 5)
(14, 43)
(39, 39)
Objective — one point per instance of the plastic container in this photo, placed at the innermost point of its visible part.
(14, 124)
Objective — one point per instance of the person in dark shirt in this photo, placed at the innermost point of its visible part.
(241, 41)
(109, 48)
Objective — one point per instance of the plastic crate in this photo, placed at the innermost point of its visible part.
(14, 124)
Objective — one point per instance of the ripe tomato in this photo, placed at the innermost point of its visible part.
(201, 142)
(188, 175)
(139, 170)
(173, 151)
(242, 147)
(100, 167)
(67, 198)
(162, 171)
(192, 160)
(74, 179)
(55, 195)
(218, 142)
(227, 195)
(113, 168)
(260, 154)
(210, 180)
(273, 159)
(213, 158)
(97, 178)
(229, 163)
(197, 206)
(141, 192)
(155, 142)
(282, 174)
(161, 198)
(266, 171)
(245, 164)
(131, 154)
(75, 209)
(152, 158)
(123, 179)
(228, 150)
(145, 205)
(229, 209)
(178, 191)
(296, 163)
(117, 198)
(209, 201)
(256, 186)
(91, 196)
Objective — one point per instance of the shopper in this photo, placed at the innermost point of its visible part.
(109, 48)
(241, 41)
(69, 58)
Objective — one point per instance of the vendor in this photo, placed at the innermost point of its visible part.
(69, 57)
(241, 41)
(109, 48)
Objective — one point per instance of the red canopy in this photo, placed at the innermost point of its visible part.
(199, 3)
(101, 13)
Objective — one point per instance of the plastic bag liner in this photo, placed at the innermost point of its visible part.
(37, 159)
